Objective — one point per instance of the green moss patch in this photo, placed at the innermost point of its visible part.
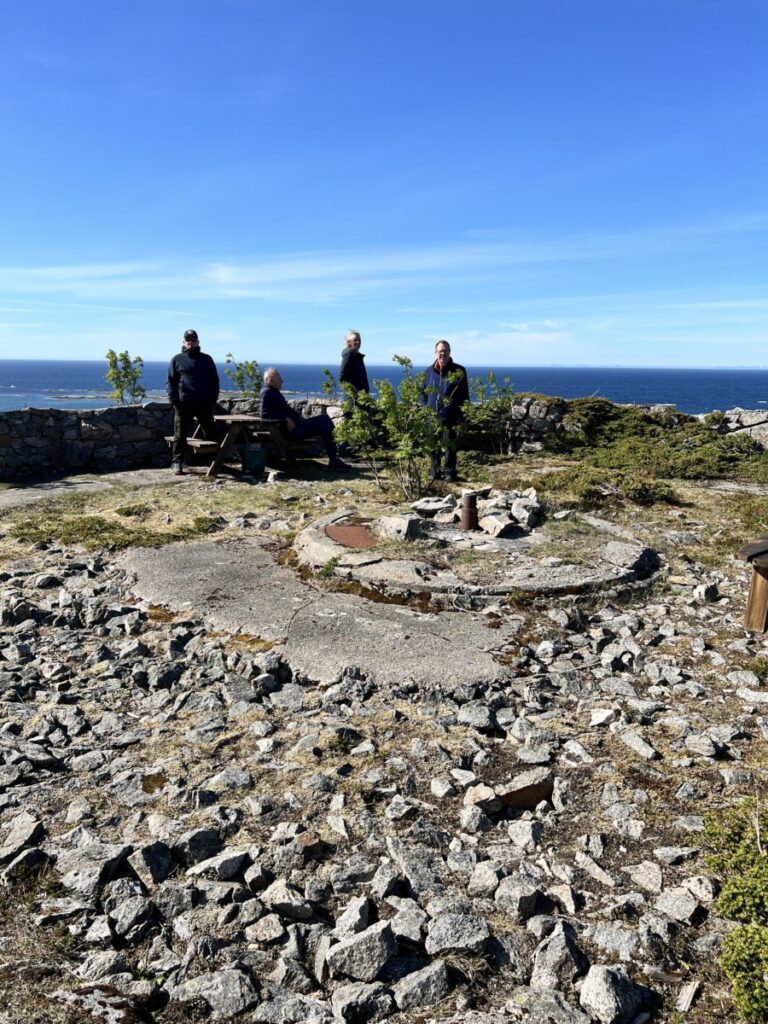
(105, 531)
(737, 843)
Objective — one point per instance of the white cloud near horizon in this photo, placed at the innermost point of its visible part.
(323, 276)
(507, 300)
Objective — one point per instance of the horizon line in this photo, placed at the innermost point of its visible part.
(506, 366)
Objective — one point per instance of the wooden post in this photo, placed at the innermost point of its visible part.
(756, 617)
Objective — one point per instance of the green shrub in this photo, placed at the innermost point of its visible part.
(735, 839)
(646, 491)
(593, 488)
(245, 376)
(731, 838)
(664, 444)
(745, 961)
(97, 531)
(395, 427)
(487, 426)
(124, 375)
(744, 896)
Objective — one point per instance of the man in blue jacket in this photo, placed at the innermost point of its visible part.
(446, 390)
(193, 390)
(273, 406)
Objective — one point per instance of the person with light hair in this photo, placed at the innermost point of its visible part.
(353, 370)
(274, 406)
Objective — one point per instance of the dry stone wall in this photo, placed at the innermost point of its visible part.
(42, 442)
(46, 442)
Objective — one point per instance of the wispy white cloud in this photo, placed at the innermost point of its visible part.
(507, 300)
(332, 276)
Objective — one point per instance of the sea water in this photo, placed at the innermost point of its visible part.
(75, 384)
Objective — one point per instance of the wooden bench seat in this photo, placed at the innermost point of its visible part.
(199, 444)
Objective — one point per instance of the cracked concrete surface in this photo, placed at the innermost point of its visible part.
(237, 587)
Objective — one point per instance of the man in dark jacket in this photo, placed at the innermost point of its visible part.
(352, 366)
(193, 390)
(446, 390)
(273, 406)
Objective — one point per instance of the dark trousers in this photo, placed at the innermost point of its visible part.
(184, 414)
(450, 434)
(311, 427)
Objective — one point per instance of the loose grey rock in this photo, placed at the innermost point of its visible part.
(409, 922)
(484, 880)
(616, 938)
(423, 988)
(525, 835)
(227, 992)
(284, 899)
(519, 897)
(356, 918)
(196, 845)
(457, 933)
(557, 960)
(610, 995)
(358, 1003)
(678, 904)
(639, 746)
(152, 863)
(527, 790)
(224, 866)
(537, 1007)
(85, 869)
(647, 875)
(362, 956)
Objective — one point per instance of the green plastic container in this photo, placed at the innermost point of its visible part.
(254, 460)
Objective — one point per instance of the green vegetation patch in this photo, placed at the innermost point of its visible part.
(666, 444)
(736, 840)
(103, 531)
(591, 487)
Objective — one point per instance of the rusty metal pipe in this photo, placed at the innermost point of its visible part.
(469, 510)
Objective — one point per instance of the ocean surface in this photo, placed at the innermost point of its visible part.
(75, 384)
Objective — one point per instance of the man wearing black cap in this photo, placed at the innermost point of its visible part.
(193, 390)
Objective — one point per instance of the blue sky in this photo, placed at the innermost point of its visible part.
(539, 181)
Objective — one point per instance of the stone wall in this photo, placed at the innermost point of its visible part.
(532, 419)
(46, 442)
(50, 442)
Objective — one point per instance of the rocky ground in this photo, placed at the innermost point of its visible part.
(191, 830)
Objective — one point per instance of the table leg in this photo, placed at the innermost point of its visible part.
(279, 441)
(226, 446)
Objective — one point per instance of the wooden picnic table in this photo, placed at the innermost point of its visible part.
(245, 428)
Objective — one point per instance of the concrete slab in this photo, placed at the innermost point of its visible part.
(237, 587)
(28, 493)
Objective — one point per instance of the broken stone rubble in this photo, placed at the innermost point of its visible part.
(180, 789)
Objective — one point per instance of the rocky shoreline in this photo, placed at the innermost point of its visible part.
(190, 828)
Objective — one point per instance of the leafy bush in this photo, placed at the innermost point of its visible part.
(731, 837)
(395, 427)
(488, 422)
(124, 375)
(245, 376)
